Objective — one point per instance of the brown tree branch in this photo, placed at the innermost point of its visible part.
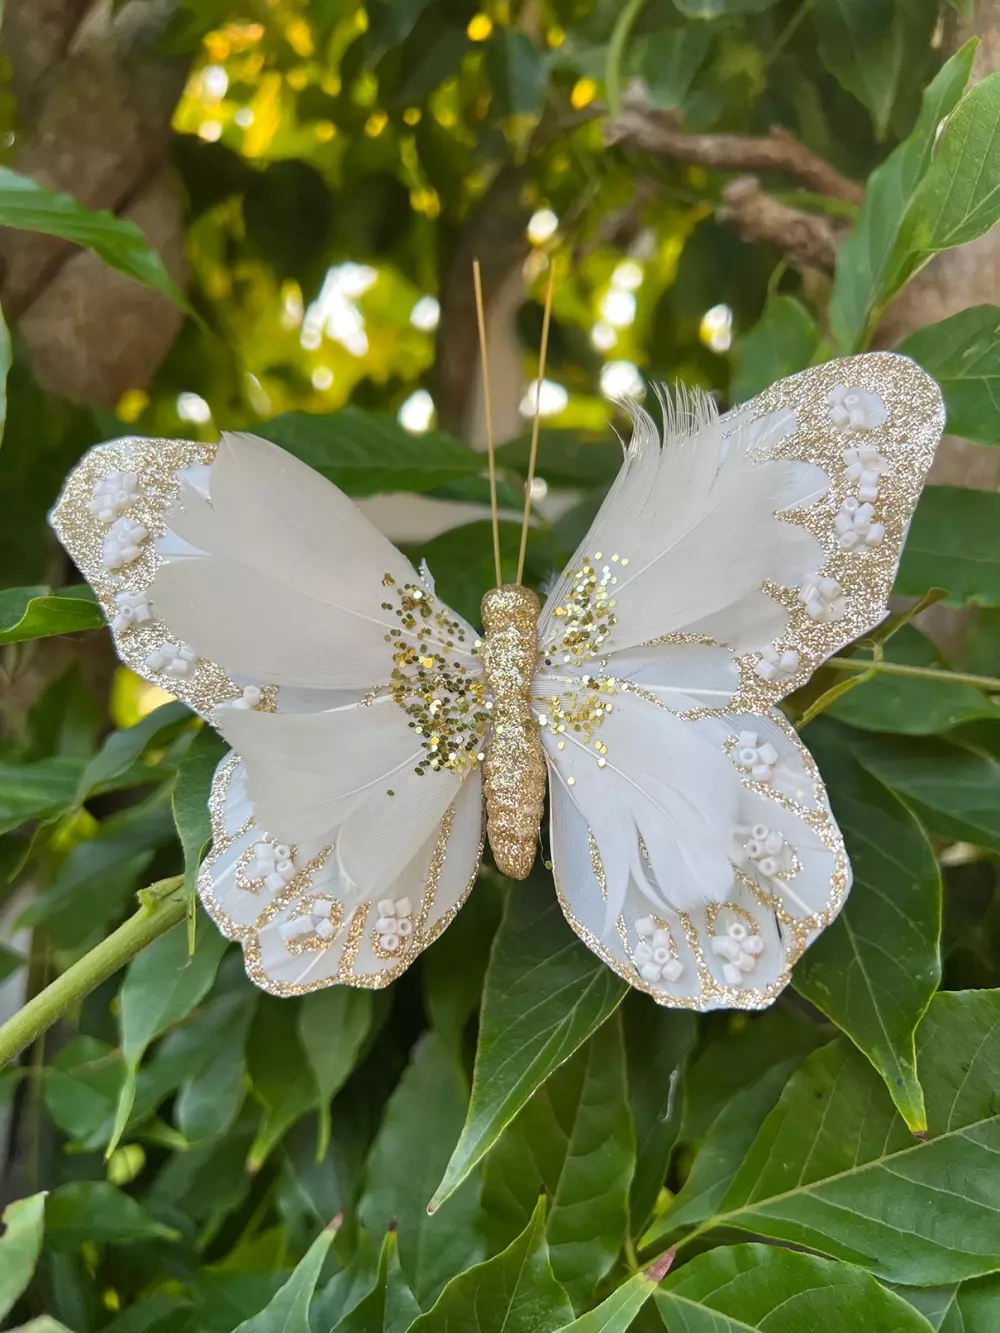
(660, 132)
(809, 239)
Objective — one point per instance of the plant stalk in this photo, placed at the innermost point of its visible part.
(161, 906)
(944, 674)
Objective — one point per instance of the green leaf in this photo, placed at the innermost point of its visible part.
(784, 340)
(617, 1312)
(951, 782)
(81, 1086)
(741, 1287)
(124, 748)
(162, 985)
(515, 1292)
(963, 354)
(669, 62)
(570, 458)
(656, 1048)
(912, 705)
(288, 1311)
(867, 262)
(545, 993)
(38, 613)
(94, 1212)
(874, 969)
(951, 543)
(575, 1138)
(410, 1151)
(20, 1245)
(834, 1168)
(37, 791)
(713, 9)
(390, 1307)
(122, 246)
(517, 74)
(279, 1070)
(958, 199)
(9, 962)
(6, 356)
(43, 1324)
(872, 46)
(366, 452)
(455, 965)
(192, 788)
(333, 1027)
(974, 1308)
(214, 1076)
(721, 1153)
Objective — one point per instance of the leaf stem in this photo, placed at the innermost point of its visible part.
(616, 53)
(161, 907)
(944, 674)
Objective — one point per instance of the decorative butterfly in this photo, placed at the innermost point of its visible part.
(692, 843)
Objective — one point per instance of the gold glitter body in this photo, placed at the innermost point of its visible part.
(514, 766)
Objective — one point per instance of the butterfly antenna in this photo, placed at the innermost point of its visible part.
(481, 320)
(546, 318)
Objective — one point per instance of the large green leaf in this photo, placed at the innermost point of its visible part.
(419, 1126)
(657, 1043)
(617, 1312)
(453, 969)
(20, 1245)
(713, 9)
(280, 1074)
(37, 791)
(189, 801)
(333, 1026)
(162, 985)
(122, 749)
(213, 1073)
(390, 1306)
(875, 968)
(741, 1287)
(515, 1292)
(366, 452)
(868, 261)
(912, 705)
(122, 246)
(575, 1138)
(951, 782)
(783, 341)
(963, 1307)
(517, 73)
(834, 1168)
(288, 1311)
(544, 995)
(39, 613)
(963, 354)
(94, 1212)
(951, 544)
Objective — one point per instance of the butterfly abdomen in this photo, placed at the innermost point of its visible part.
(514, 767)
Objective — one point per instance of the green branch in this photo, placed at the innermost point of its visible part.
(944, 674)
(161, 906)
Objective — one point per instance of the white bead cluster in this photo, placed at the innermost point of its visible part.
(774, 665)
(855, 409)
(133, 609)
(394, 924)
(768, 852)
(113, 494)
(823, 598)
(123, 543)
(176, 659)
(855, 527)
(250, 698)
(652, 954)
(318, 921)
(864, 466)
(756, 759)
(274, 864)
(739, 949)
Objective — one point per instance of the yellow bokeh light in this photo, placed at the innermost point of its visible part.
(584, 92)
(412, 115)
(132, 404)
(480, 27)
(376, 123)
(297, 79)
(555, 37)
(324, 130)
(299, 37)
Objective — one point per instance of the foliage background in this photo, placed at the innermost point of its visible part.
(183, 1153)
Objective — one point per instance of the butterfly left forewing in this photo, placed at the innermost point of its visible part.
(251, 588)
(692, 841)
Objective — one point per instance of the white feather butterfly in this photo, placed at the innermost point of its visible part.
(692, 843)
